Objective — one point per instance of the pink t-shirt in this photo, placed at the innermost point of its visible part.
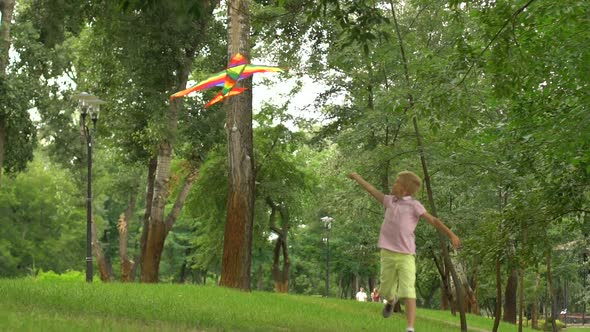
(399, 223)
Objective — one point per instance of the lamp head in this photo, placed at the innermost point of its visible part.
(94, 106)
(83, 99)
(327, 220)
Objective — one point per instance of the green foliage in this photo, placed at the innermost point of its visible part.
(547, 326)
(42, 222)
(19, 131)
(67, 276)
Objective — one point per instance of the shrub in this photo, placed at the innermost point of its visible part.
(546, 326)
(69, 275)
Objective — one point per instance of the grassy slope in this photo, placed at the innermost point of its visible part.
(26, 305)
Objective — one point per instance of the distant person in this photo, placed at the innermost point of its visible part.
(397, 241)
(361, 296)
(375, 295)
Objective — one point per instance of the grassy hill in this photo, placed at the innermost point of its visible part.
(28, 305)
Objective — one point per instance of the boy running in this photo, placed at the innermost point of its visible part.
(397, 240)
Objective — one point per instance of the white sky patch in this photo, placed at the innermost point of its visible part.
(34, 115)
(276, 90)
(272, 236)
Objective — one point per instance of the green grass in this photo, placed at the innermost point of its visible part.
(578, 329)
(27, 305)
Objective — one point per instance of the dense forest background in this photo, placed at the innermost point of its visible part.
(486, 100)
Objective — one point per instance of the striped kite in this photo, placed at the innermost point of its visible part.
(237, 69)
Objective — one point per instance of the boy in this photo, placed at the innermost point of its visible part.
(397, 240)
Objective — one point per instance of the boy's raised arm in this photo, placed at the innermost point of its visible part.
(442, 228)
(368, 187)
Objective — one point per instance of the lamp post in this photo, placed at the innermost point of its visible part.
(328, 224)
(89, 104)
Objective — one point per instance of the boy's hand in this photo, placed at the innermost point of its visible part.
(455, 242)
(352, 175)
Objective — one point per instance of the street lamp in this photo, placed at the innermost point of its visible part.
(89, 104)
(328, 224)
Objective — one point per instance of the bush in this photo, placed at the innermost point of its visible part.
(546, 326)
(69, 275)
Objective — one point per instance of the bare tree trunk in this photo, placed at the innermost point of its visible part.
(259, 278)
(510, 297)
(446, 257)
(446, 294)
(472, 292)
(280, 276)
(6, 9)
(2, 145)
(551, 292)
(126, 263)
(237, 246)
(104, 267)
(158, 228)
(498, 295)
(535, 309)
(184, 269)
(445, 252)
(150, 267)
(149, 197)
(123, 229)
(520, 299)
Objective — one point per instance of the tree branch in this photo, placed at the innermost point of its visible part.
(181, 199)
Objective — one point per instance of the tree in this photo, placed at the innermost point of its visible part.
(39, 215)
(150, 35)
(6, 9)
(17, 134)
(237, 243)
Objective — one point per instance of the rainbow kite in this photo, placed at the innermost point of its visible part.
(237, 69)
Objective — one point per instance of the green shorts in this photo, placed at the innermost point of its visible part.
(398, 275)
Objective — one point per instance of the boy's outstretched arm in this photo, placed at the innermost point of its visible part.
(442, 228)
(368, 187)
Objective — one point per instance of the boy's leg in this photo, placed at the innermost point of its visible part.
(389, 275)
(407, 288)
(388, 280)
(410, 311)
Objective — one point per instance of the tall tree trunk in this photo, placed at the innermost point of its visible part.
(104, 267)
(446, 294)
(498, 295)
(510, 297)
(535, 309)
(237, 245)
(6, 9)
(280, 275)
(551, 292)
(442, 240)
(150, 267)
(126, 263)
(520, 298)
(471, 290)
(159, 227)
(445, 252)
(184, 269)
(149, 197)
(123, 229)
(2, 143)
(259, 278)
